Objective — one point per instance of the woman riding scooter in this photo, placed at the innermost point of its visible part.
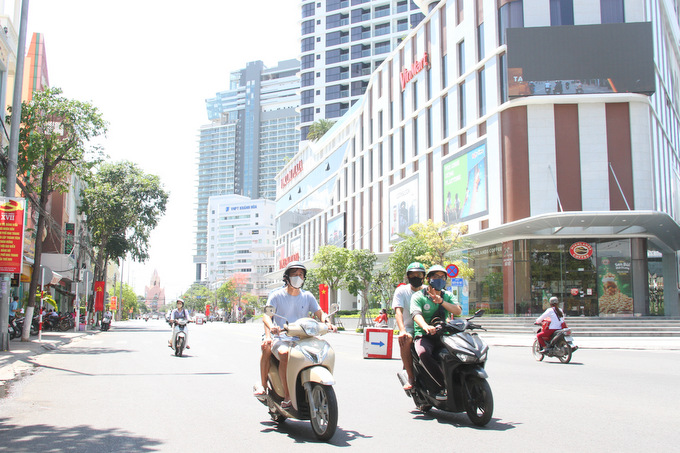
(179, 313)
(556, 317)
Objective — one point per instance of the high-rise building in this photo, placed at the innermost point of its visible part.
(253, 131)
(342, 43)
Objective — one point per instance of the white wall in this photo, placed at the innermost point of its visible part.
(594, 163)
(541, 130)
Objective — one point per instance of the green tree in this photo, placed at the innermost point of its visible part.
(123, 205)
(382, 287)
(332, 266)
(196, 297)
(226, 294)
(318, 129)
(54, 145)
(359, 275)
(129, 302)
(312, 282)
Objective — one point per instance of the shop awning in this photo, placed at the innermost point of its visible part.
(656, 226)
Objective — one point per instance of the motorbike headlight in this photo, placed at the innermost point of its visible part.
(315, 355)
(465, 358)
(311, 328)
(482, 358)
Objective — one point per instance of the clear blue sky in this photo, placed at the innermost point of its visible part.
(149, 65)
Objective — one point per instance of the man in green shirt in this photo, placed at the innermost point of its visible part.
(427, 304)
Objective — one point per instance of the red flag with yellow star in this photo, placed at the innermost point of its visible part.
(99, 296)
(323, 297)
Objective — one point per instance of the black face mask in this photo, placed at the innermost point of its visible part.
(416, 282)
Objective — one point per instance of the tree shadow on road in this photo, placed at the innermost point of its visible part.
(32, 438)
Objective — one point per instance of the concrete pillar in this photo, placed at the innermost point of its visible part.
(670, 285)
(639, 275)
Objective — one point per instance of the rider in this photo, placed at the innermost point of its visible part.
(427, 304)
(13, 307)
(179, 313)
(401, 303)
(290, 303)
(556, 319)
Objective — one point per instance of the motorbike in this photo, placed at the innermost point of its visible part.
(462, 355)
(106, 322)
(179, 339)
(311, 360)
(561, 345)
(13, 329)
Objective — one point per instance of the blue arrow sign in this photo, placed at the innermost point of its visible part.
(380, 343)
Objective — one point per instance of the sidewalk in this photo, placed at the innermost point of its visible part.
(18, 359)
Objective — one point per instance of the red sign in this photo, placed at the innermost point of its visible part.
(452, 270)
(323, 297)
(581, 250)
(99, 288)
(574, 291)
(407, 74)
(285, 261)
(11, 234)
(292, 173)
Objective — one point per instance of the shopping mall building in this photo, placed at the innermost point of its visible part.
(548, 128)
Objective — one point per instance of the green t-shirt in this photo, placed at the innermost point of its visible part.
(422, 304)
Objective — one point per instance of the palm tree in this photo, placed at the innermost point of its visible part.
(318, 129)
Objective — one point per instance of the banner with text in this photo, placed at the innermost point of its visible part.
(11, 234)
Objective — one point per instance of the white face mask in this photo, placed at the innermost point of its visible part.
(297, 282)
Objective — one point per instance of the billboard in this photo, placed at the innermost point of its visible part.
(335, 231)
(465, 185)
(581, 59)
(12, 234)
(403, 205)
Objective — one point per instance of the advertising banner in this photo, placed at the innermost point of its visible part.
(465, 185)
(99, 288)
(403, 207)
(11, 234)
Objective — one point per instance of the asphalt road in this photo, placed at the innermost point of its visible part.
(123, 390)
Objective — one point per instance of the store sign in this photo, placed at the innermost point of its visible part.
(11, 234)
(240, 208)
(581, 250)
(407, 74)
(292, 174)
(286, 261)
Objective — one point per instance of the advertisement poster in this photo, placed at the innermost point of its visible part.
(11, 234)
(335, 231)
(614, 286)
(403, 207)
(465, 185)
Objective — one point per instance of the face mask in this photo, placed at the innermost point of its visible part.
(438, 283)
(297, 282)
(416, 282)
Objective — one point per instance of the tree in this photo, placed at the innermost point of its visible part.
(53, 146)
(318, 129)
(382, 287)
(130, 299)
(123, 205)
(312, 282)
(225, 294)
(196, 297)
(333, 262)
(359, 275)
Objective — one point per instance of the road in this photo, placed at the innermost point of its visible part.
(123, 390)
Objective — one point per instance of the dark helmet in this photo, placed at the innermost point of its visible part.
(293, 265)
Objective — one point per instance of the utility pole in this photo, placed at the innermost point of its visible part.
(11, 173)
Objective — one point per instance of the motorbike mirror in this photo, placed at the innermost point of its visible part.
(479, 313)
(334, 309)
(269, 310)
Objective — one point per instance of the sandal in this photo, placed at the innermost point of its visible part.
(258, 391)
(286, 404)
(407, 386)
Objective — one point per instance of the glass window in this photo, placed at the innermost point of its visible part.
(307, 10)
(561, 12)
(307, 44)
(510, 15)
(614, 278)
(359, 87)
(307, 97)
(361, 51)
(402, 25)
(486, 287)
(381, 11)
(402, 6)
(382, 29)
(336, 55)
(359, 2)
(336, 20)
(460, 11)
(307, 61)
(307, 79)
(461, 58)
(361, 69)
(360, 15)
(337, 109)
(308, 27)
(336, 92)
(382, 47)
(480, 41)
(359, 33)
(307, 115)
(445, 116)
(332, 5)
(338, 73)
(612, 12)
(336, 37)
(415, 19)
(461, 105)
(481, 92)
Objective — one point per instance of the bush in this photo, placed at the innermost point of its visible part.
(360, 330)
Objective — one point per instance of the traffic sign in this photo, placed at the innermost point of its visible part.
(452, 270)
(456, 282)
(378, 343)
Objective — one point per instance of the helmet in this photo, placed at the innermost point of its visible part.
(293, 265)
(415, 267)
(435, 268)
(554, 301)
(180, 300)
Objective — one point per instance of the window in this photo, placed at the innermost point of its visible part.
(336, 20)
(402, 6)
(612, 12)
(338, 73)
(336, 110)
(307, 10)
(361, 69)
(307, 61)
(307, 115)
(307, 44)
(360, 15)
(359, 87)
(382, 47)
(359, 2)
(402, 25)
(461, 105)
(461, 58)
(336, 92)
(561, 12)
(428, 125)
(303, 132)
(459, 11)
(336, 55)
(445, 116)
(307, 97)
(503, 76)
(336, 37)
(382, 29)
(307, 27)
(445, 72)
(481, 93)
(381, 11)
(307, 79)
(480, 41)
(416, 19)
(332, 5)
(361, 51)
(510, 15)
(359, 33)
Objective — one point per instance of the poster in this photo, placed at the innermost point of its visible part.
(614, 286)
(465, 185)
(403, 207)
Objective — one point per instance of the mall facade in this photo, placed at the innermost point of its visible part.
(548, 129)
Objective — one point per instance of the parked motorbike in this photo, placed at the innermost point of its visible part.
(311, 360)
(106, 322)
(179, 339)
(462, 355)
(561, 345)
(13, 330)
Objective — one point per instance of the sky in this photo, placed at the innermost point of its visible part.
(148, 66)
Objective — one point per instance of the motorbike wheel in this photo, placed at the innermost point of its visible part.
(566, 349)
(325, 418)
(64, 325)
(479, 403)
(179, 347)
(535, 351)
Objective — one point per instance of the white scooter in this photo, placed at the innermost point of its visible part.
(310, 379)
(179, 339)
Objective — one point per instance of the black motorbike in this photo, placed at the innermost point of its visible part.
(561, 345)
(462, 356)
(13, 330)
(106, 322)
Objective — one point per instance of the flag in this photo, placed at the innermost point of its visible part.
(323, 297)
(99, 296)
(207, 309)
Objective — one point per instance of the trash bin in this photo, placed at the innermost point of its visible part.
(378, 343)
